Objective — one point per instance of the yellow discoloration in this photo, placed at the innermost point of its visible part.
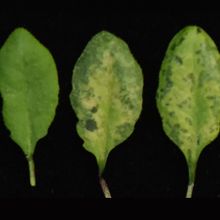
(189, 92)
(102, 83)
(107, 60)
(114, 81)
(89, 103)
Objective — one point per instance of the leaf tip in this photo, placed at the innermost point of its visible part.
(20, 31)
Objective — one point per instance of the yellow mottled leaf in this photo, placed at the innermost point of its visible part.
(107, 94)
(188, 96)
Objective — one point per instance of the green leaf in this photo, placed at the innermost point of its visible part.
(188, 96)
(107, 94)
(29, 88)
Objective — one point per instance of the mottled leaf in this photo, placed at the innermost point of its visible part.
(188, 96)
(106, 95)
(29, 88)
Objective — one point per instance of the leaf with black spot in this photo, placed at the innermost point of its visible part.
(106, 95)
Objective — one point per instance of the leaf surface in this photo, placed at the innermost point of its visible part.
(29, 88)
(107, 94)
(188, 96)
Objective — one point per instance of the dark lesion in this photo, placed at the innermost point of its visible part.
(94, 109)
(167, 73)
(91, 125)
(177, 43)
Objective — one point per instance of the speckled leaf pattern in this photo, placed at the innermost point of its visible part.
(188, 96)
(29, 88)
(107, 94)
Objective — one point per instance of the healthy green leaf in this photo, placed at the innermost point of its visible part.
(107, 94)
(188, 96)
(29, 88)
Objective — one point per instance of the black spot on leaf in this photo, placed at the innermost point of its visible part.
(181, 40)
(94, 109)
(169, 83)
(161, 90)
(198, 51)
(91, 125)
(173, 46)
(177, 43)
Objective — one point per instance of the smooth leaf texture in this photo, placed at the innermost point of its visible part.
(29, 88)
(107, 94)
(188, 96)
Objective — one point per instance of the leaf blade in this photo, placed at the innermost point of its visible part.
(106, 108)
(188, 95)
(29, 88)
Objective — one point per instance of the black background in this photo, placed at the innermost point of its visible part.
(147, 164)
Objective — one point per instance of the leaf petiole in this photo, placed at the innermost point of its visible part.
(105, 188)
(31, 171)
(189, 190)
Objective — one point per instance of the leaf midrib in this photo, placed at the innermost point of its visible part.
(27, 104)
(110, 107)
